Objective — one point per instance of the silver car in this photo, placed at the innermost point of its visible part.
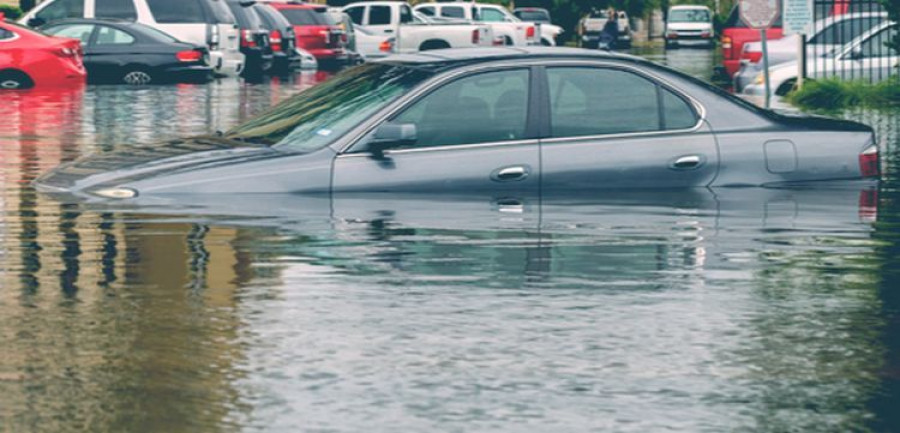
(503, 121)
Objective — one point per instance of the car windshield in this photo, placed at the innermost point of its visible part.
(689, 16)
(317, 117)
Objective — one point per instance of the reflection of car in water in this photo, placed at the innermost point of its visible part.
(487, 120)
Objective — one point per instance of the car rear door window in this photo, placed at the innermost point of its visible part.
(111, 36)
(595, 101)
(81, 32)
(117, 9)
(356, 14)
(482, 108)
(379, 15)
(61, 9)
(492, 15)
(453, 12)
(876, 46)
(177, 11)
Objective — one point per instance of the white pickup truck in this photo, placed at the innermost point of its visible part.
(413, 32)
(507, 26)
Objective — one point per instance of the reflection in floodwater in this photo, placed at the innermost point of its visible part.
(699, 310)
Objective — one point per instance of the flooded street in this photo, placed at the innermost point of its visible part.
(737, 309)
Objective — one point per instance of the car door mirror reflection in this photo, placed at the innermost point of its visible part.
(391, 135)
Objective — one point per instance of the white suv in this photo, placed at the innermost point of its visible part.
(202, 22)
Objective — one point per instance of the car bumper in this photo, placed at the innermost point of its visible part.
(228, 65)
(189, 74)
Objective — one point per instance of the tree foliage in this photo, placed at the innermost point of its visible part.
(893, 10)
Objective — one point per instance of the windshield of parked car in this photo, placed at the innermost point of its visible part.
(307, 17)
(689, 16)
(317, 117)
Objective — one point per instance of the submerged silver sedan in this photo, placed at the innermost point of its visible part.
(497, 120)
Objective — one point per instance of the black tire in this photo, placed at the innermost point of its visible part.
(546, 43)
(137, 75)
(433, 45)
(11, 79)
(786, 87)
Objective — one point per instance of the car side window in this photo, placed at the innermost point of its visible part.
(81, 32)
(61, 9)
(453, 12)
(482, 108)
(111, 36)
(177, 11)
(594, 101)
(405, 14)
(356, 14)
(427, 11)
(6, 34)
(118, 9)
(492, 15)
(875, 46)
(379, 15)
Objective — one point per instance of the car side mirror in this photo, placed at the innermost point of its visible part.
(35, 22)
(391, 135)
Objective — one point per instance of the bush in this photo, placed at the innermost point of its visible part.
(835, 94)
(11, 12)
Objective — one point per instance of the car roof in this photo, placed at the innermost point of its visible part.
(470, 55)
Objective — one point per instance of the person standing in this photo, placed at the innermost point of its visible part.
(611, 29)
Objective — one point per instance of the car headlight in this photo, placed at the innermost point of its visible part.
(760, 79)
(117, 193)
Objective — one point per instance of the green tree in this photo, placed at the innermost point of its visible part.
(893, 10)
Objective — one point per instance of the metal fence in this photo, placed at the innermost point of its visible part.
(848, 41)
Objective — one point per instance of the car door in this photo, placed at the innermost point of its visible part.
(112, 49)
(474, 133)
(379, 19)
(614, 127)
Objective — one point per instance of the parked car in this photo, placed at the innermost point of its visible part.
(735, 34)
(286, 58)
(826, 37)
(348, 36)
(505, 25)
(132, 53)
(460, 121)
(31, 59)
(316, 32)
(533, 15)
(255, 44)
(201, 22)
(865, 58)
(689, 25)
(591, 29)
(416, 32)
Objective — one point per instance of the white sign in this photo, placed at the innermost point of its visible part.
(759, 14)
(797, 15)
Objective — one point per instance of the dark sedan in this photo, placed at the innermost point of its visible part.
(282, 37)
(500, 120)
(132, 53)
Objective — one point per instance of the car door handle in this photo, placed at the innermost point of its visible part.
(388, 30)
(510, 174)
(687, 162)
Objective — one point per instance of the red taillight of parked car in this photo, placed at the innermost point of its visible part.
(189, 56)
(275, 40)
(247, 40)
(386, 46)
(530, 32)
(726, 47)
(476, 36)
(66, 52)
(869, 162)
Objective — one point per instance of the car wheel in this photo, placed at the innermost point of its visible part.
(546, 43)
(15, 80)
(137, 77)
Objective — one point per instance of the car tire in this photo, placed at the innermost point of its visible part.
(137, 76)
(15, 80)
(546, 43)
(786, 87)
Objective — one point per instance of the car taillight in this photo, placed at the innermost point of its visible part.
(247, 40)
(387, 46)
(476, 36)
(726, 46)
(275, 40)
(529, 32)
(868, 162)
(66, 52)
(189, 56)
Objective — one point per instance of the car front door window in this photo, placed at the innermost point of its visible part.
(492, 15)
(482, 108)
(111, 36)
(453, 12)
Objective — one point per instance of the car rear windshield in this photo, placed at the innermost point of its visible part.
(317, 117)
(307, 17)
(245, 15)
(536, 15)
(272, 19)
(689, 16)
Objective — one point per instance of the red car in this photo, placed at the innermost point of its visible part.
(31, 59)
(315, 31)
(735, 34)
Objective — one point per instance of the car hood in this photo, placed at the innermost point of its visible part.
(134, 163)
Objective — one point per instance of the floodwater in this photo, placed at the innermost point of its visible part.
(726, 310)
